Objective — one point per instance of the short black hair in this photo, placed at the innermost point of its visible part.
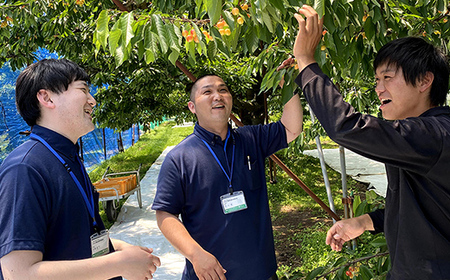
(192, 87)
(416, 57)
(51, 74)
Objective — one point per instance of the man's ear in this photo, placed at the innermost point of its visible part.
(426, 81)
(45, 98)
(191, 106)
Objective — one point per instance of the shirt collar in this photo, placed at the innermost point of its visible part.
(441, 110)
(58, 142)
(209, 137)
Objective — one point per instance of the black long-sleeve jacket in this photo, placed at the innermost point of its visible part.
(416, 152)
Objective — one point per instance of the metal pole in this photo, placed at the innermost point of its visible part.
(348, 212)
(104, 143)
(344, 180)
(324, 168)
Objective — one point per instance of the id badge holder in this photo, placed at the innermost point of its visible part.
(233, 202)
(100, 243)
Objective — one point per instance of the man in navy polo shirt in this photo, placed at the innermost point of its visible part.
(215, 179)
(50, 227)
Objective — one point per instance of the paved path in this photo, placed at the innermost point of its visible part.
(358, 167)
(138, 226)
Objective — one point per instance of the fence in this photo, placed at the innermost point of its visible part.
(97, 146)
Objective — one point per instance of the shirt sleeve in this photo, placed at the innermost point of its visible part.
(377, 217)
(24, 210)
(413, 143)
(169, 192)
(270, 138)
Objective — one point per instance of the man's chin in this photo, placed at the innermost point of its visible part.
(389, 117)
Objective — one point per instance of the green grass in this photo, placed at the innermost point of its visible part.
(145, 152)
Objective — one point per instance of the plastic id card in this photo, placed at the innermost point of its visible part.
(233, 202)
(100, 243)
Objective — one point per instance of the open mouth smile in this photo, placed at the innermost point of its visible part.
(384, 102)
(221, 106)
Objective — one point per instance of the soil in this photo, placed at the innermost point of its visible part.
(289, 223)
(292, 221)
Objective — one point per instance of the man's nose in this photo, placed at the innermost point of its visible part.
(91, 101)
(217, 95)
(379, 88)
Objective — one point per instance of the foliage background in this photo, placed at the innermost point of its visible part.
(134, 50)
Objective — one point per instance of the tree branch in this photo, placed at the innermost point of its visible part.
(350, 263)
(120, 5)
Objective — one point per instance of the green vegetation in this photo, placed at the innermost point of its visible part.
(138, 47)
(308, 237)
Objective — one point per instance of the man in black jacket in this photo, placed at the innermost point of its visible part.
(413, 141)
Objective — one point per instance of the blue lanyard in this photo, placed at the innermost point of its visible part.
(229, 177)
(89, 205)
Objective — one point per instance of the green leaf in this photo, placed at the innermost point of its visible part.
(172, 38)
(274, 14)
(251, 40)
(138, 30)
(319, 6)
(379, 242)
(267, 21)
(150, 40)
(277, 79)
(212, 50)
(121, 55)
(356, 203)
(149, 57)
(162, 33)
(102, 29)
(313, 274)
(279, 5)
(267, 81)
(328, 22)
(141, 50)
(126, 26)
(341, 273)
(174, 56)
(229, 19)
(114, 37)
(369, 28)
(214, 8)
(190, 46)
(365, 272)
(287, 92)
(362, 207)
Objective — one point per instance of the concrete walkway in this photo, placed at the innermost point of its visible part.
(138, 226)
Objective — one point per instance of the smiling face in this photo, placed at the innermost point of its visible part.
(74, 109)
(211, 103)
(399, 100)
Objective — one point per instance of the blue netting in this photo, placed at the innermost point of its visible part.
(93, 143)
(11, 124)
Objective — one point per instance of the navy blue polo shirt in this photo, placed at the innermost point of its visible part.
(41, 207)
(191, 183)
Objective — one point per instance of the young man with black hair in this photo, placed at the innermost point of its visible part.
(413, 140)
(215, 180)
(50, 227)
